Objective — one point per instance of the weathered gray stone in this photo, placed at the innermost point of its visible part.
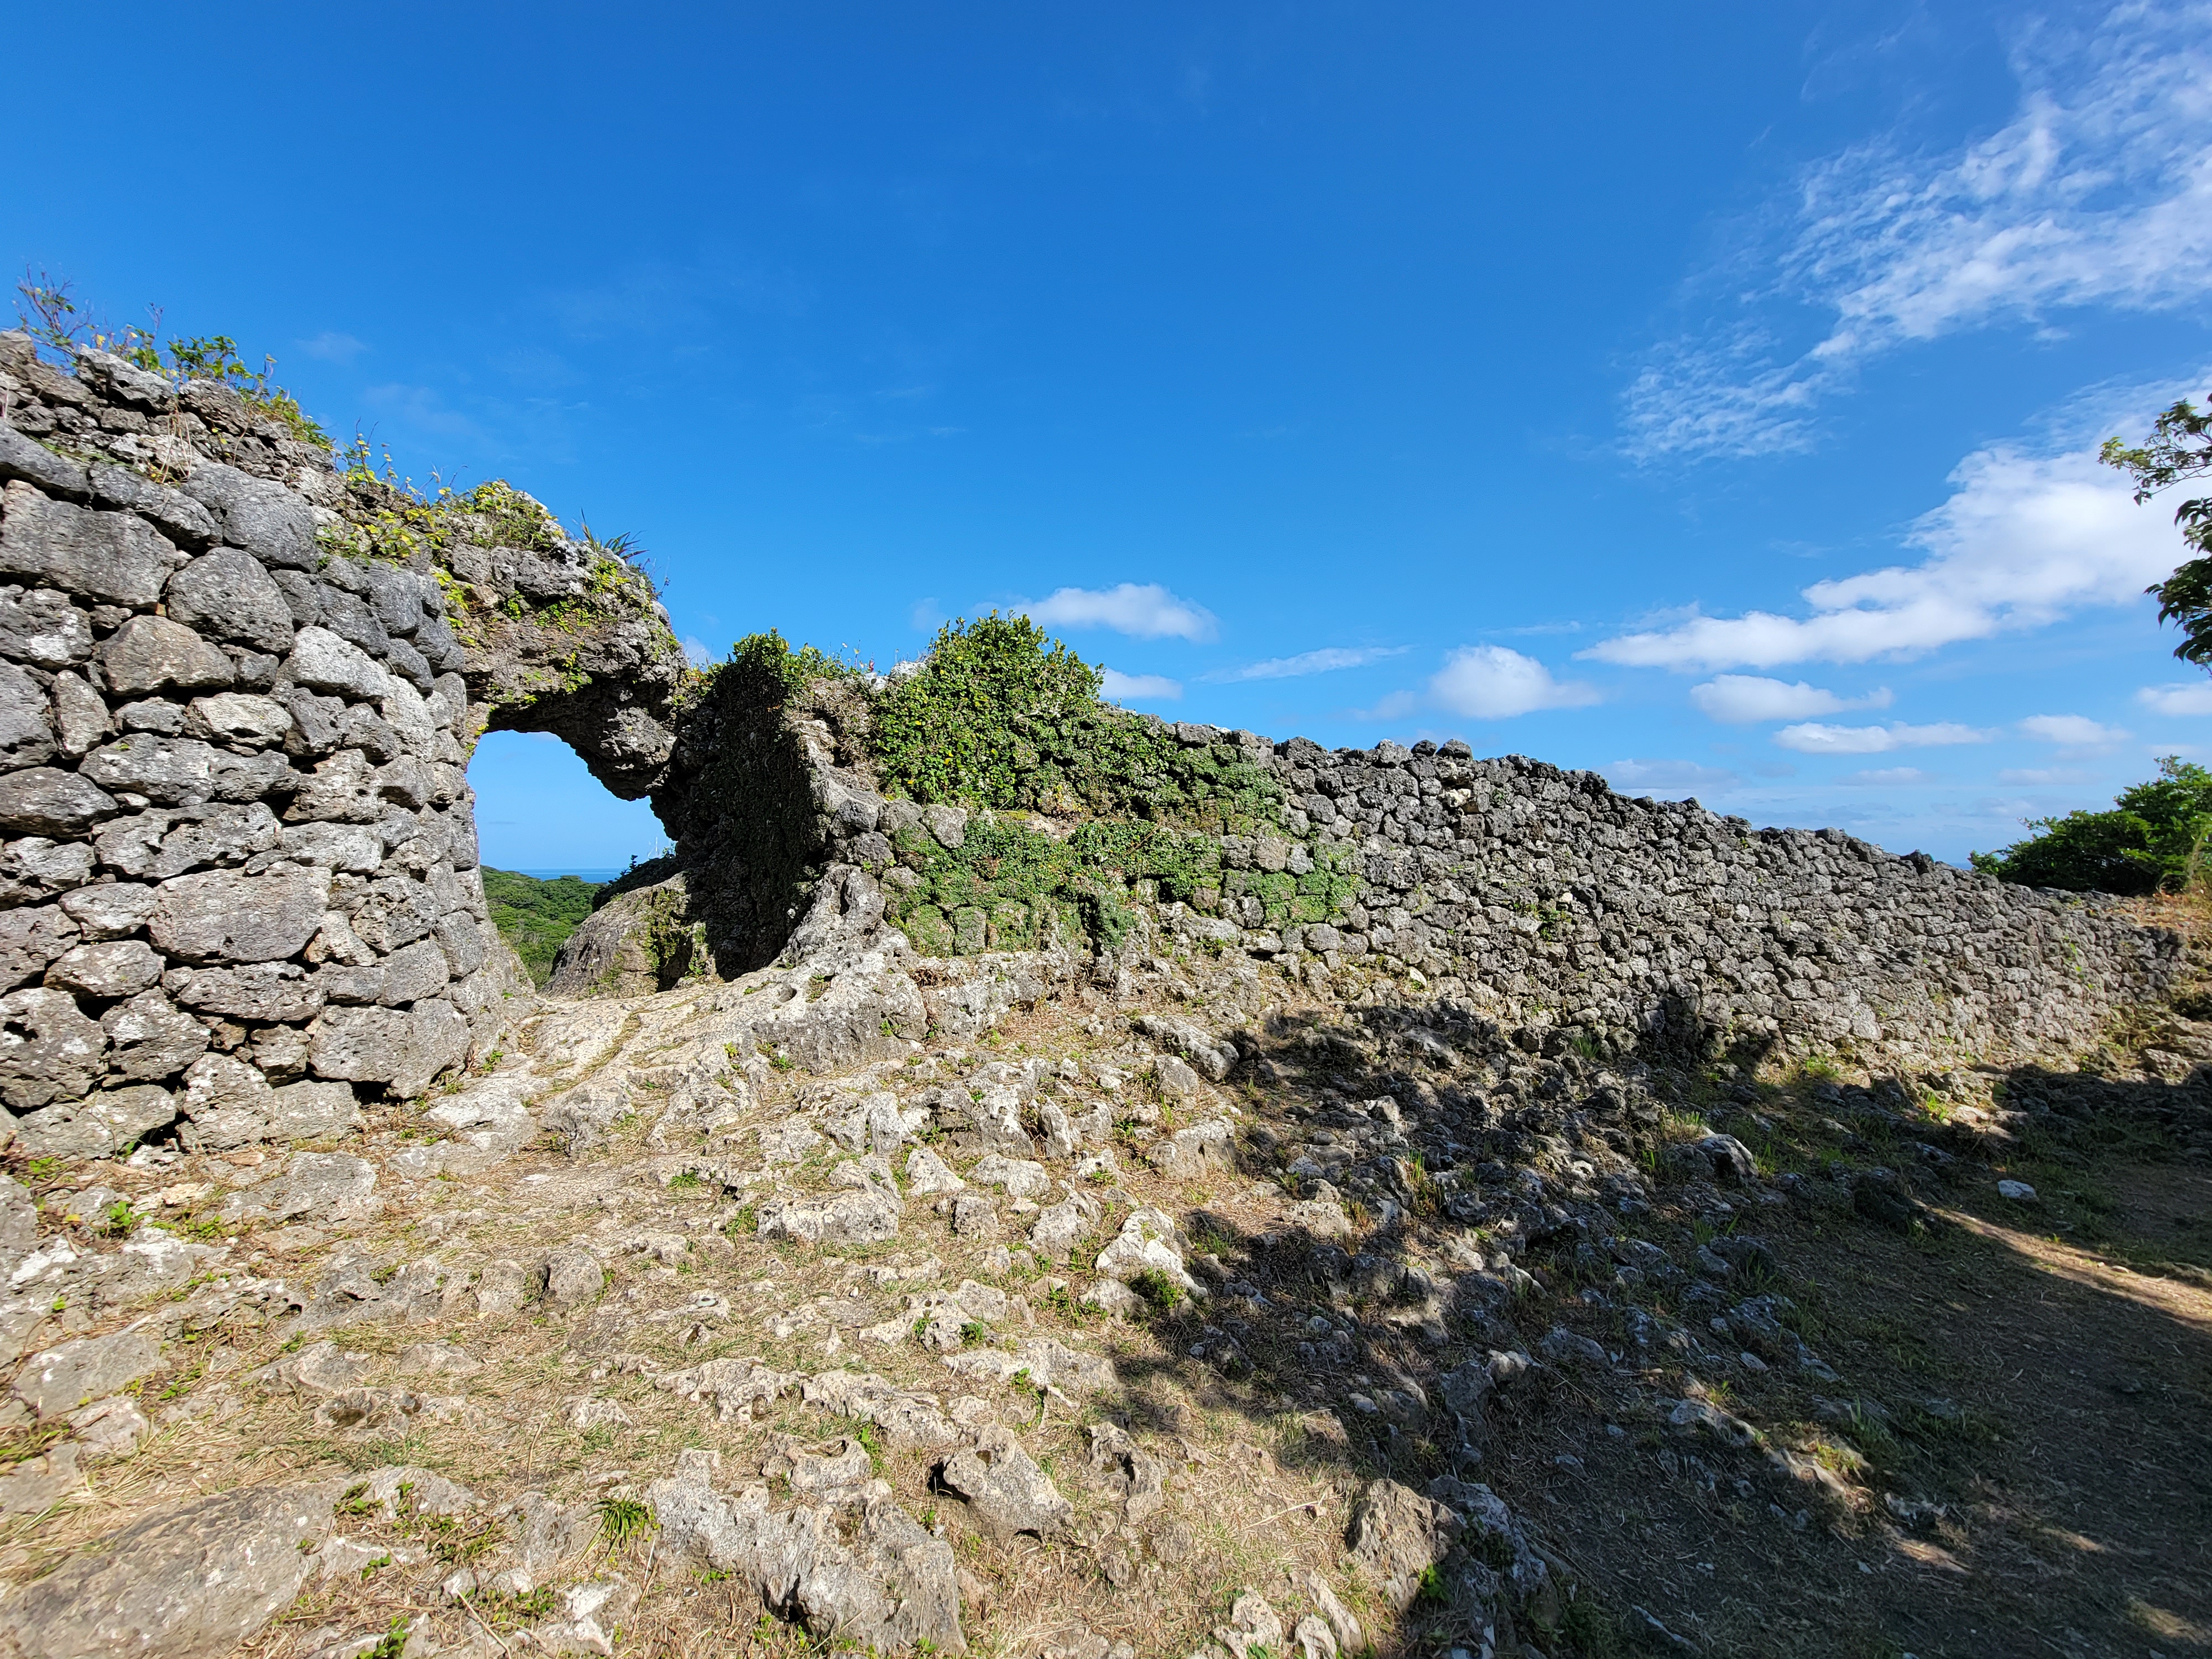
(152, 654)
(237, 717)
(111, 557)
(81, 717)
(1203, 1150)
(32, 936)
(890, 1588)
(228, 595)
(111, 910)
(1396, 1535)
(220, 917)
(40, 626)
(262, 992)
(191, 1581)
(150, 1039)
(1005, 1489)
(35, 868)
(101, 1125)
(158, 844)
(413, 972)
(42, 800)
(329, 1186)
(106, 968)
(572, 1277)
(173, 512)
(265, 518)
(49, 1050)
(322, 662)
(26, 736)
(22, 457)
(406, 1050)
(56, 1382)
(174, 771)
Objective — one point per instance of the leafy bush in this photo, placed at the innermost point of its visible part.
(948, 731)
(2152, 841)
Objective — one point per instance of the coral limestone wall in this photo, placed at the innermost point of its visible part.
(239, 681)
(1538, 898)
(241, 677)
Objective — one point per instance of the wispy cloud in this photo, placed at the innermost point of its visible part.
(1490, 682)
(1744, 699)
(1646, 777)
(1885, 776)
(2022, 542)
(2189, 698)
(2097, 191)
(1139, 688)
(1815, 738)
(1144, 612)
(1324, 661)
(2042, 774)
(331, 346)
(2071, 731)
(697, 651)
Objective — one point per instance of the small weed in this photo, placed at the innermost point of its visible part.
(1156, 1288)
(392, 1644)
(621, 1519)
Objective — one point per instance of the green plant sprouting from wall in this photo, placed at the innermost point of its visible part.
(48, 312)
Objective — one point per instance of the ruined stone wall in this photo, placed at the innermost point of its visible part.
(1544, 901)
(239, 687)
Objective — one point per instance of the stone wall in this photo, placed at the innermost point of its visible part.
(1571, 915)
(240, 678)
(240, 684)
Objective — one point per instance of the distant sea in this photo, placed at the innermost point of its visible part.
(581, 875)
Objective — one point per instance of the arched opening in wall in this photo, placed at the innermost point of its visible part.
(550, 837)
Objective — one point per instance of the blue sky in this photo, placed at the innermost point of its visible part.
(1708, 397)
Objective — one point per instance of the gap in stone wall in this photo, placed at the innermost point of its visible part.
(540, 812)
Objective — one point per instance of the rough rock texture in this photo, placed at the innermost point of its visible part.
(188, 1582)
(238, 688)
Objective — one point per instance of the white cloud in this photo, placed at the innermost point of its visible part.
(1644, 777)
(1393, 706)
(1144, 688)
(1324, 661)
(2097, 190)
(697, 651)
(1814, 739)
(1490, 682)
(2071, 731)
(331, 346)
(1885, 776)
(2021, 543)
(1741, 699)
(2041, 774)
(925, 615)
(1148, 611)
(2188, 699)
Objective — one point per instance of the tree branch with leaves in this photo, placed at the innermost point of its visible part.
(2180, 448)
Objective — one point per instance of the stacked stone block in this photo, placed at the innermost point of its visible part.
(238, 875)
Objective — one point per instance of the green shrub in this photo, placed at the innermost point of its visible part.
(950, 730)
(2151, 840)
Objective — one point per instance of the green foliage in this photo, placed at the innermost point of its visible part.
(949, 731)
(1156, 1288)
(2151, 840)
(536, 916)
(621, 1519)
(49, 312)
(2180, 448)
(392, 1643)
(1010, 887)
(764, 669)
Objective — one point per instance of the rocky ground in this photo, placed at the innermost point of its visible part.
(1194, 1313)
